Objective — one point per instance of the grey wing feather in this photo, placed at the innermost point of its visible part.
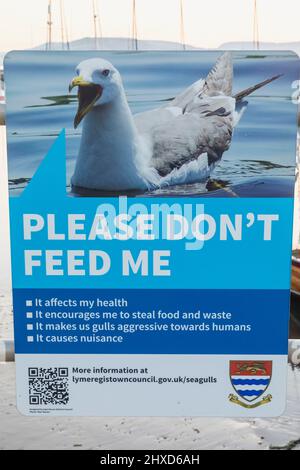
(185, 138)
(199, 120)
(219, 80)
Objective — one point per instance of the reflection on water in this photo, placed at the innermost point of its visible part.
(262, 154)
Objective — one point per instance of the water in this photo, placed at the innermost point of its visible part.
(260, 161)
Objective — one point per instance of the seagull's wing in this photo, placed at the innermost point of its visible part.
(199, 120)
(207, 129)
(218, 81)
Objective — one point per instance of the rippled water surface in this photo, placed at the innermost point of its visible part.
(260, 161)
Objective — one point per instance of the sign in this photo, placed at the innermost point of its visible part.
(151, 205)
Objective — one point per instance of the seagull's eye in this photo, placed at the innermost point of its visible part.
(105, 72)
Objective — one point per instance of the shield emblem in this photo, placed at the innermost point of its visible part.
(250, 379)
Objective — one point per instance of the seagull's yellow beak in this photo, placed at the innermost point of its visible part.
(88, 93)
(78, 81)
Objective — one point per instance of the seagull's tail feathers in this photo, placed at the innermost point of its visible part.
(242, 94)
(219, 80)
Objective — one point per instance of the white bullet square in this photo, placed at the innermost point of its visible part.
(28, 303)
(30, 339)
(29, 315)
(29, 326)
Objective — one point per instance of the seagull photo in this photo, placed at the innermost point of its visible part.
(178, 143)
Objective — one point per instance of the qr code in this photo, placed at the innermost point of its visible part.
(48, 386)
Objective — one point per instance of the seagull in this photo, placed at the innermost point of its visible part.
(178, 143)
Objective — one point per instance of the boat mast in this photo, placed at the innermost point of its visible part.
(49, 27)
(97, 25)
(62, 30)
(134, 27)
(66, 30)
(255, 28)
(182, 31)
(63, 27)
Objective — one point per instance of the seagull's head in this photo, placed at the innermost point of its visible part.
(98, 82)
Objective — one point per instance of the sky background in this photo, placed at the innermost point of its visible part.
(207, 23)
